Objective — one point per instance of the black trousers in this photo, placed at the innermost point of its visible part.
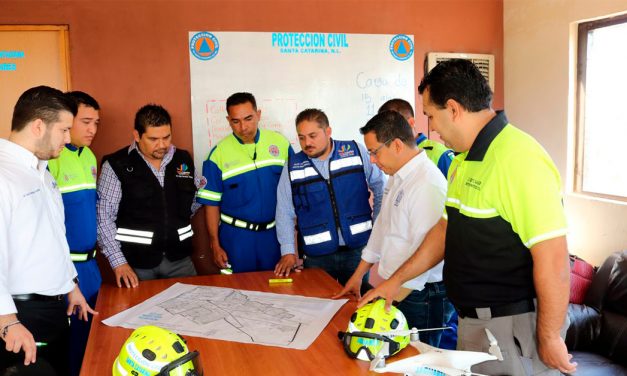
(48, 323)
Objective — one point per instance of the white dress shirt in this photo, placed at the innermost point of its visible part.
(413, 202)
(34, 255)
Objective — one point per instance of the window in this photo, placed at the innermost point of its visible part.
(602, 108)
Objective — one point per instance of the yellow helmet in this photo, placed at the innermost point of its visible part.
(362, 339)
(153, 351)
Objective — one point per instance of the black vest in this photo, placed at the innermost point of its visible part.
(154, 221)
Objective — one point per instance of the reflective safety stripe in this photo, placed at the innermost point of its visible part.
(543, 237)
(77, 187)
(82, 256)
(317, 238)
(126, 231)
(235, 171)
(243, 224)
(302, 174)
(185, 232)
(133, 239)
(358, 228)
(184, 229)
(134, 236)
(453, 201)
(252, 166)
(209, 195)
(270, 162)
(345, 162)
(483, 212)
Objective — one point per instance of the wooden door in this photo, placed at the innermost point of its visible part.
(30, 56)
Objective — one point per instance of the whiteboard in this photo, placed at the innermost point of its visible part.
(348, 76)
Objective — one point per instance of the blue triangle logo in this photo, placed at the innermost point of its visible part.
(401, 49)
(204, 47)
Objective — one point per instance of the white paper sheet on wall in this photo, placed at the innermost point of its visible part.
(348, 76)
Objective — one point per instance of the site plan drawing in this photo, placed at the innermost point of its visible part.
(263, 318)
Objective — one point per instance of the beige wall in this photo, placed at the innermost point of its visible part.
(539, 41)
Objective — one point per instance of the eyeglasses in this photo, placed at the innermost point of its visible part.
(374, 152)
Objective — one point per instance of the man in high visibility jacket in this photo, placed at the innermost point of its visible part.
(502, 235)
(436, 152)
(242, 172)
(75, 173)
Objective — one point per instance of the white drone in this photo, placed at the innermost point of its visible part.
(432, 360)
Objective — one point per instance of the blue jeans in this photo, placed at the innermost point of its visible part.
(449, 337)
(340, 265)
(429, 308)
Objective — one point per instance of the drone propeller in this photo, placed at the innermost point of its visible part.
(494, 345)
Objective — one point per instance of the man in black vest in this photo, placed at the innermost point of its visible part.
(146, 198)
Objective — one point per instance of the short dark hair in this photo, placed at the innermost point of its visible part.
(399, 105)
(151, 115)
(390, 125)
(460, 80)
(241, 98)
(313, 114)
(80, 97)
(41, 102)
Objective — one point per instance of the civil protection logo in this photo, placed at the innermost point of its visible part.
(401, 47)
(345, 151)
(204, 45)
(273, 150)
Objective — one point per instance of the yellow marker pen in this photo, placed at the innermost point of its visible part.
(280, 280)
(227, 270)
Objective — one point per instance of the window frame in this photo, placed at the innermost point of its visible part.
(582, 51)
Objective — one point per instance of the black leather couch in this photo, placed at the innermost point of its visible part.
(597, 336)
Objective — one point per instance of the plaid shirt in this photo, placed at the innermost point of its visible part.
(109, 197)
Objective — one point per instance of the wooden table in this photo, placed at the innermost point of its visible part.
(325, 356)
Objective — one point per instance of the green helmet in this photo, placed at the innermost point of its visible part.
(362, 340)
(153, 351)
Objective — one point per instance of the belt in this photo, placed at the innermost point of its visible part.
(510, 309)
(82, 256)
(37, 297)
(245, 224)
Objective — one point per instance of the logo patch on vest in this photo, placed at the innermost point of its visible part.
(346, 151)
(182, 171)
(399, 197)
(301, 165)
(473, 183)
(273, 150)
(94, 172)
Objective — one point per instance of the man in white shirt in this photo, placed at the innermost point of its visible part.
(36, 271)
(413, 201)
